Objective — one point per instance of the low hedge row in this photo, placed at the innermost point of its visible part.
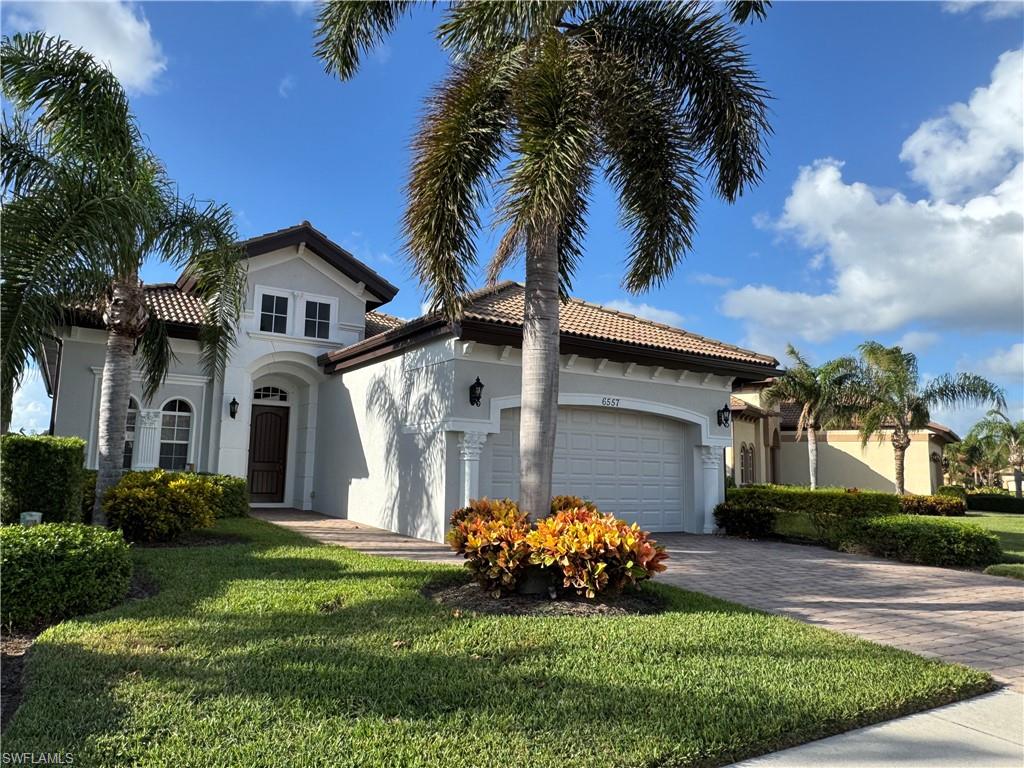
(57, 570)
(160, 506)
(746, 521)
(233, 499)
(43, 474)
(937, 505)
(996, 502)
(923, 540)
(957, 491)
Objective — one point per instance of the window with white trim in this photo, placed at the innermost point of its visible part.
(129, 433)
(318, 320)
(274, 313)
(175, 432)
(270, 393)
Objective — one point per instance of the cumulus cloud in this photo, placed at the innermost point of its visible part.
(918, 341)
(285, 86)
(990, 9)
(648, 312)
(716, 281)
(30, 406)
(1005, 362)
(892, 261)
(116, 33)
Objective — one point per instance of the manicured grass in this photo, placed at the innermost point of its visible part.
(1009, 529)
(287, 653)
(1013, 570)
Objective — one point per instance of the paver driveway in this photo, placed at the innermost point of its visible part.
(958, 616)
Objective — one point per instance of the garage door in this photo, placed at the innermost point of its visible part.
(628, 463)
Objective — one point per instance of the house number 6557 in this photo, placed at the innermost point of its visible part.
(610, 401)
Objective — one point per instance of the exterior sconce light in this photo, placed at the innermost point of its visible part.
(233, 408)
(724, 416)
(476, 389)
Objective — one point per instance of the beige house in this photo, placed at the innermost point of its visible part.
(765, 450)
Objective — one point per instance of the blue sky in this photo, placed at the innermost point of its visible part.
(891, 207)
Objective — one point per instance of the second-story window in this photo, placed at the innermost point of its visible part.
(274, 313)
(318, 320)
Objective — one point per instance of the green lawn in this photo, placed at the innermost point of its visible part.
(283, 652)
(1009, 529)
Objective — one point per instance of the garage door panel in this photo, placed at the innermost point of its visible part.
(628, 463)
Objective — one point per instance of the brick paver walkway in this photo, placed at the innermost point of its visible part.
(958, 616)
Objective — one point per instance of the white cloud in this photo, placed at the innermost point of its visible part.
(646, 311)
(116, 33)
(918, 341)
(991, 9)
(1006, 362)
(717, 281)
(285, 86)
(30, 407)
(894, 261)
(973, 146)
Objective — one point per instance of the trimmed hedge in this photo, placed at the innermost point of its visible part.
(943, 506)
(988, 490)
(956, 491)
(160, 506)
(1013, 570)
(746, 521)
(88, 493)
(41, 473)
(923, 540)
(233, 500)
(57, 570)
(829, 510)
(996, 502)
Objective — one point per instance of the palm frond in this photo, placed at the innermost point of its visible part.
(745, 10)
(472, 27)
(156, 356)
(347, 30)
(962, 389)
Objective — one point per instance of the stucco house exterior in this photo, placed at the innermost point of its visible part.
(766, 450)
(329, 404)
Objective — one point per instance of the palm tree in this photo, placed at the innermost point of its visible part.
(541, 95)
(1009, 436)
(85, 205)
(891, 397)
(822, 393)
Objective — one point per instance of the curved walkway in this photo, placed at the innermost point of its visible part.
(959, 616)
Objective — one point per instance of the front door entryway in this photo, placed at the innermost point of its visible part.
(268, 453)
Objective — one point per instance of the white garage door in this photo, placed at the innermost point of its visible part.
(628, 463)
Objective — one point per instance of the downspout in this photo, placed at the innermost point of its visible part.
(55, 385)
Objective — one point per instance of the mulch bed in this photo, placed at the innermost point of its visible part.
(471, 598)
(15, 647)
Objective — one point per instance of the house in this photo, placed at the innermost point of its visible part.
(765, 449)
(329, 404)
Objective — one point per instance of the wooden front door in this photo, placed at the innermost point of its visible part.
(268, 453)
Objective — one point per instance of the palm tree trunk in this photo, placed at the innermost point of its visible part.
(812, 456)
(6, 406)
(900, 443)
(125, 318)
(1017, 482)
(539, 412)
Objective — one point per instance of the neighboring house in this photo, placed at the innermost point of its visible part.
(330, 405)
(766, 450)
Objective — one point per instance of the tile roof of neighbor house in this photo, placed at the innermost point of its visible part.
(174, 305)
(790, 417)
(381, 322)
(743, 407)
(502, 305)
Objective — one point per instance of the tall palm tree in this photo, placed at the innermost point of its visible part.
(85, 205)
(823, 394)
(540, 97)
(1009, 436)
(891, 397)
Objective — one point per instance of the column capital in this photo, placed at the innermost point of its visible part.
(471, 443)
(711, 456)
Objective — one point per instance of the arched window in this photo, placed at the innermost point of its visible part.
(746, 464)
(175, 432)
(753, 466)
(129, 433)
(742, 474)
(270, 393)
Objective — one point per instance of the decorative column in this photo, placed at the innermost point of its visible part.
(147, 440)
(470, 445)
(714, 484)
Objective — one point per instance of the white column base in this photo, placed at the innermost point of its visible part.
(714, 484)
(470, 445)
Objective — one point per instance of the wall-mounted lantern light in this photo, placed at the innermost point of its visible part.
(476, 389)
(233, 408)
(724, 416)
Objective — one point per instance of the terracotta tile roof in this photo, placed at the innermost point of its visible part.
(791, 416)
(379, 322)
(504, 304)
(173, 305)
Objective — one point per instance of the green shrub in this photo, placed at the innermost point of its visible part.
(995, 502)
(160, 506)
(747, 521)
(988, 490)
(41, 473)
(233, 500)
(57, 570)
(956, 491)
(1014, 570)
(828, 510)
(562, 503)
(88, 493)
(924, 540)
(943, 506)
(595, 553)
